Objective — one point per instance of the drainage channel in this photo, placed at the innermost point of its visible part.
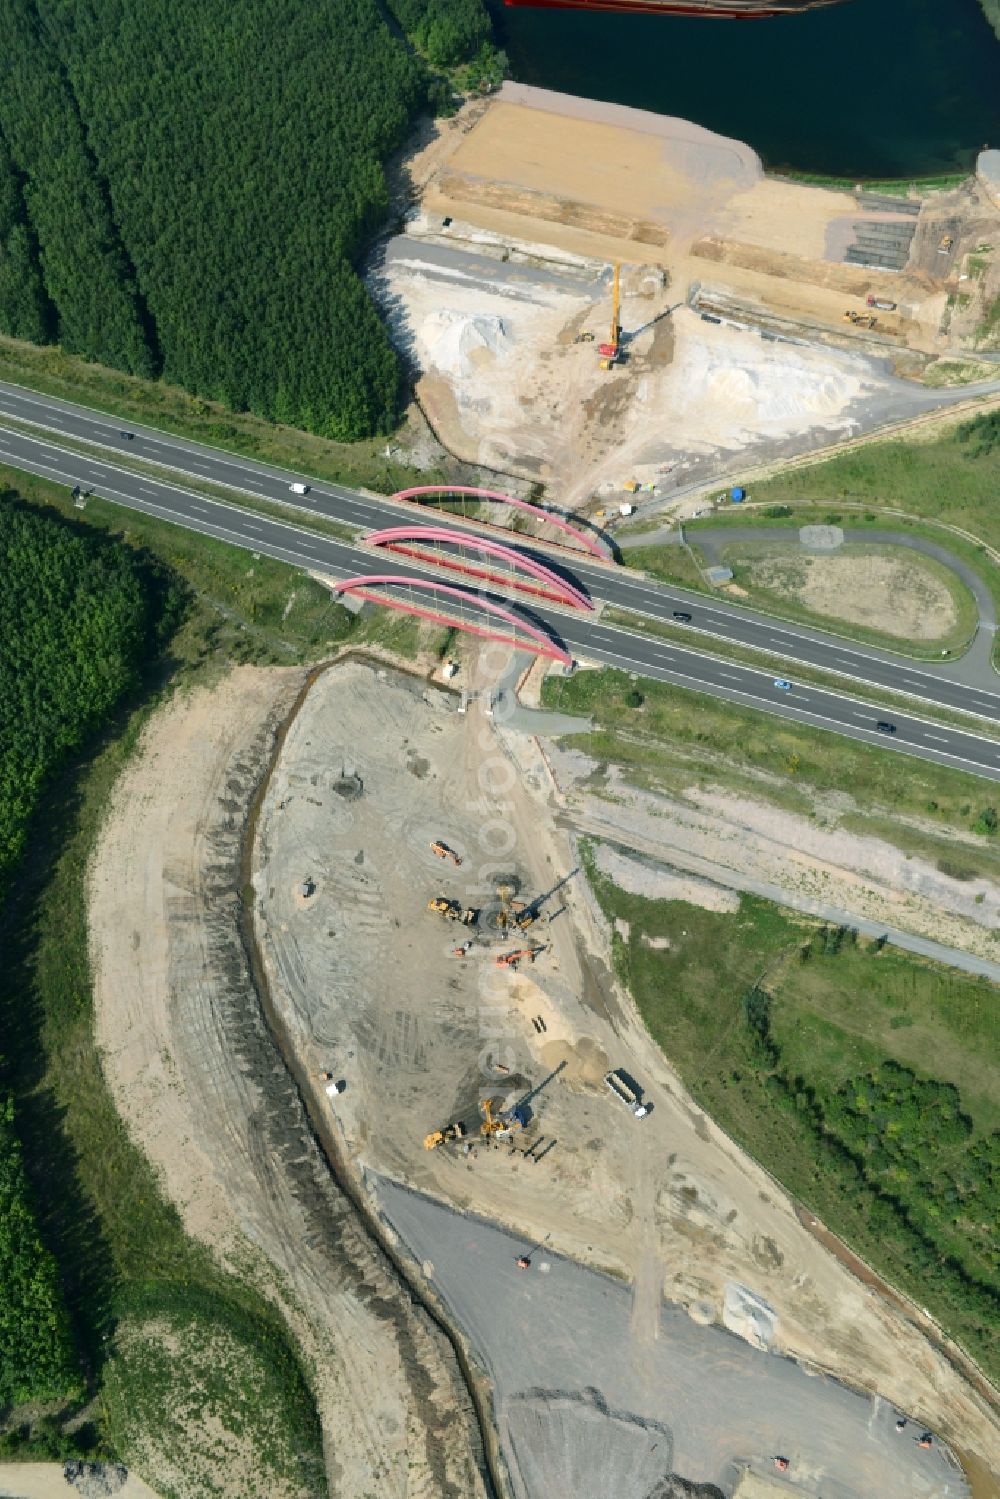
(488, 1458)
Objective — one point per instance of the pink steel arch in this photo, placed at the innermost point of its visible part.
(581, 537)
(558, 588)
(542, 644)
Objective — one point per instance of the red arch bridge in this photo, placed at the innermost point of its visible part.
(570, 536)
(483, 559)
(462, 608)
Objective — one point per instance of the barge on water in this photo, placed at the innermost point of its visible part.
(732, 10)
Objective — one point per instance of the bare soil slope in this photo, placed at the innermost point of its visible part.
(203, 1091)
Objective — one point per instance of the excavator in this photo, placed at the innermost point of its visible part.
(511, 959)
(444, 852)
(452, 911)
(438, 1137)
(610, 350)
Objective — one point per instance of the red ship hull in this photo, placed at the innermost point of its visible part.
(734, 10)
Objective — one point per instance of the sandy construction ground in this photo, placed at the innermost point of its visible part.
(375, 767)
(201, 1089)
(47, 1481)
(518, 209)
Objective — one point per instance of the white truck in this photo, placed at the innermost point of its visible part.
(623, 1089)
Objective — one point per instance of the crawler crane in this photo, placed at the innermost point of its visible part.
(610, 350)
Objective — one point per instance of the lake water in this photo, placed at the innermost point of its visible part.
(870, 88)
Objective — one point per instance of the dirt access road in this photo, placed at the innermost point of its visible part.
(377, 765)
(203, 1092)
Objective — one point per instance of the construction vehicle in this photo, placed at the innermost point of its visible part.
(438, 1137)
(610, 350)
(500, 1124)
(451, 910)
(860, 319)
(584, 338)
(880, 303)
(444, 852)
(945, 244)
(622, 1088)
(511, 959)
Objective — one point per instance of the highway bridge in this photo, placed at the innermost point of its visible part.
(586, 637)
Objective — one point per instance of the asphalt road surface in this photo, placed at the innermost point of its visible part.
(947, 684)
(584, 637)
(584, 1411)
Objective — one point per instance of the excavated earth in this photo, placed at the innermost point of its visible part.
(376, 766)
(202, 1088)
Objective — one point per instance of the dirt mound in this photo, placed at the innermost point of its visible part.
(574, 1444)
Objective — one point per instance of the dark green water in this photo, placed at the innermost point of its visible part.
(870, 88)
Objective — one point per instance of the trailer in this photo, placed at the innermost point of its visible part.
(623, 1088)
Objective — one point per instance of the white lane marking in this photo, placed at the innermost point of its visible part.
(836, 724)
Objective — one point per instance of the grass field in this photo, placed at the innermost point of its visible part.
(923, 574)
(896, 187)
(676, 736)
(675, 564)
(862, 1078)
(948, 478)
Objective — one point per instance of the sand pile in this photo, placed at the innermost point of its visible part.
(459, 343)
(731, 388)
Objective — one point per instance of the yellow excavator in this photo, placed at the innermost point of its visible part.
(451, 910)
(438, 1137)
(610, 350)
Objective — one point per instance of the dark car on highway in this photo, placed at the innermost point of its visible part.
(684, 619)
(884, 727)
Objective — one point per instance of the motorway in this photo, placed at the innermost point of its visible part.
(584, 636)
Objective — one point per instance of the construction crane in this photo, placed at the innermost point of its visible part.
(513, 914)
(442, 1136)
(444, 852)
(499, 1124)
(610, 349)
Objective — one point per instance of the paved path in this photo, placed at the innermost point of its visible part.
(579, 1402)
(974, 666)
(610, 830)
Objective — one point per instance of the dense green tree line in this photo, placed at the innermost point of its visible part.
(74, 626)
(73, 629)
(899, 1146)
(87, 275)
(448, 31)
(202, 177)
(37, 1359)
(25, 310)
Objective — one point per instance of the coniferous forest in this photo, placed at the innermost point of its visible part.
(186, 187)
